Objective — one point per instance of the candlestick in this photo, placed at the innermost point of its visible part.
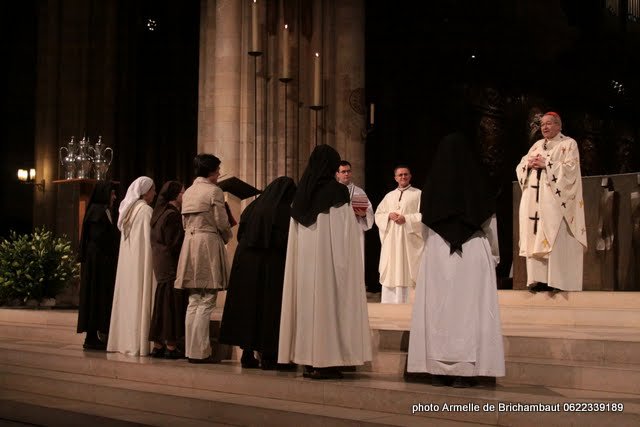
(255, 34)
(285, 53)
(372, 114)
(317, 82)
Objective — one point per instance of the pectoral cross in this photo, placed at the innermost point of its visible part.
(535, 222)
(401, 193)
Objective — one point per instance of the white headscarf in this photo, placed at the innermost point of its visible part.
(137, 188)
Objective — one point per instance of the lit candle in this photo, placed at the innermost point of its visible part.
(285, 52)
(255, 39)
(372, 113)
(316, 81)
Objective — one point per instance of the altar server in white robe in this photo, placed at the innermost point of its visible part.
(455, 326)
(553, 234)
(324, 322)
(398, 219)
(364, 216)
(135, 283)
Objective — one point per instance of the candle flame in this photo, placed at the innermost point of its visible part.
(286, 26)
(317, 55)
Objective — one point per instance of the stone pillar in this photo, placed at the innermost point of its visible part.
(242, 101)
(220, 82)
(348, 99)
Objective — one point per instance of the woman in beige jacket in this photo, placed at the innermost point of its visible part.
(202, 267)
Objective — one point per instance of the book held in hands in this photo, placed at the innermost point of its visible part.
(359, 202)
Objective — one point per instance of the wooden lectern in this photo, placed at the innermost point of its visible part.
(72, 201)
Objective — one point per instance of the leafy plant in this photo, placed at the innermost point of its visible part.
(37, 265)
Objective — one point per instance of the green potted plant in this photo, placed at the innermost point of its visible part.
(35, 266)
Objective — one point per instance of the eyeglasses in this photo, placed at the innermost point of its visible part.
(403, 174)
(345, 172)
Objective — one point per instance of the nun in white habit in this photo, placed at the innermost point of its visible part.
(134, 289)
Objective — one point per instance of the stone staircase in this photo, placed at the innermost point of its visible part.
(560, 356)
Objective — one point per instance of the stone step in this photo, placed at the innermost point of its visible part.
(23, 408)
(600, 345)
(586, 375)
(603, 346)
(623, 317)
(35, 332)
(623, 378)
(48, 317)
(186, 405)
(586, 299)
(118, 380)
(615, 309)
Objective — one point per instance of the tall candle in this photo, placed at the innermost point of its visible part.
(255, 20)
(285, 52)
(372, 113)
(317, 82)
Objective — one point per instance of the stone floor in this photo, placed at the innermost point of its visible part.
(560, 358)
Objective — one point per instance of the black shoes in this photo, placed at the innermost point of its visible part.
(95, 341)
(322, 373)
(448, 380)
(201, 361)
(268, 365)
(94, 345)
(248, 361)
(539, 287)
(543, 287)
(439, 380)
(173, 354)
(462, 382)
(157, 353)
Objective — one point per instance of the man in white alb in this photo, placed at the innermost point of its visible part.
(358, 198)
(399, 220)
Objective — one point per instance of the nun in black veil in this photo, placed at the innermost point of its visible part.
(324, 323)
(98, 254)
(455, 328)
(251, 318)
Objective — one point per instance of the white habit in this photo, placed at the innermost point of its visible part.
(135, 286)
(553, 234)
(365, 222)
(401, 244)
(324, 320)
(455, 327)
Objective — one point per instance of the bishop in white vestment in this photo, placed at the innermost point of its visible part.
(135, 283)
(553, 234)
(398, 219)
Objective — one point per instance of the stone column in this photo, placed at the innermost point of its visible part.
(220, 82)
(349, 118)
